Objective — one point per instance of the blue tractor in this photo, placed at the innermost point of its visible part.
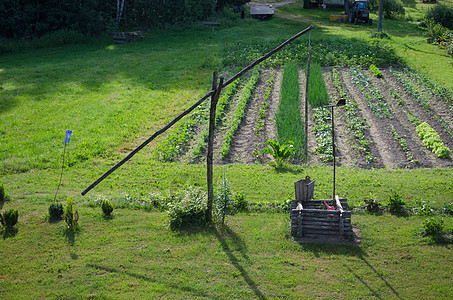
(360, 12)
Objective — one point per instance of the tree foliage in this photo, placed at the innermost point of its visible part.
(25, 18)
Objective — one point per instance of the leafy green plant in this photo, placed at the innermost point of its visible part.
(107, 207)
(432, 140)
(70, 216)
(433, 226)
(376, 71)
(442, 14)
(3, 195)
(396, 203)
(447, 208)
(279, 152)
(223, 200)
(187, 209)
(323, 133)
(55, 211)
(9, 218)
(240, 203)
(372, 205)
(423, 208)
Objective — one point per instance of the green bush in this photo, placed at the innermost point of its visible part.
(240, 203)
(447, 209)
(55, 211)
(9, 218)
(393, 8)
(423, 208)
(3, 195)
(433, 226)
(372, 205)
(380, 35)
(71, 217)
(434, 31)
(442, 14)
(107, 207)
(188, 209)
(395, 203)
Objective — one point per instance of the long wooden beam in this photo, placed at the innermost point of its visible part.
(210, 93)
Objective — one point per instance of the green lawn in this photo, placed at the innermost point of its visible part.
(113, 97)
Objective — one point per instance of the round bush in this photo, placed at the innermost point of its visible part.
(56, 211)
(442, 14)
(107, 207)
(9, 218)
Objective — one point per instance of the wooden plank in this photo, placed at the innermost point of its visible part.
(330, 227)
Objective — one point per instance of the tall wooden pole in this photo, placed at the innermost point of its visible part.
(306, 109)
(333, 153)
(209, 169)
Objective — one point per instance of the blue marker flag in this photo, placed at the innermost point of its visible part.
(68, 136)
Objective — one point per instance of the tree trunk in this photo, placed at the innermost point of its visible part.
(381, 11)
(346, 7)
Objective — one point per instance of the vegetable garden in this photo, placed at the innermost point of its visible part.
(394, 117)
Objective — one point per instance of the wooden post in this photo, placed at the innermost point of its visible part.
(306, 110)
(209, 170)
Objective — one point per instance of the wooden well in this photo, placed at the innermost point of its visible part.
(311, 218)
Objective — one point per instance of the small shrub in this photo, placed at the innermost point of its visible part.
(372, 205)
(395, 203)
(380, 35)
(447, 209)
(442, 14)
(9, 218)
(107, 207)
(423, 208)
(188, 209)
(240, 203)
(433, 226)
(55, 211)
(3, 195)
(71, 217)
(433, 30)
(223, 200)
(393, 8)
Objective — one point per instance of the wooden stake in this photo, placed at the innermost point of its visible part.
(209, 169)
(306, 109)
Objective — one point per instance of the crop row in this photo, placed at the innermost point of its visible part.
(244, 99)
(355, 123)
(288, 118)
(411, 88)
(376, 101)
(432, 140)
(323, 133)
(176, 143)
(403, 144)
(263, 109)
(220, 110)
(317, 92)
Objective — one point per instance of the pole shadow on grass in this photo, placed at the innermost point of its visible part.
(228, 235)
(147, 278)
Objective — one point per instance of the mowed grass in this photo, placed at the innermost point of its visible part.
(115, 96)
(134, 255)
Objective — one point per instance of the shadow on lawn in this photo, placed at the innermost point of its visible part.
(378, 274)
(147, 278)
(231, 242)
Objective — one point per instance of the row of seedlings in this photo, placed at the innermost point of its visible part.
(322, 117)
(412, 89)
(239, 113)
(376, 101)
(355, 123)
(200, 147)
(262, 113)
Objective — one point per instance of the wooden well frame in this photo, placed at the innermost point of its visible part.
(311, 218)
